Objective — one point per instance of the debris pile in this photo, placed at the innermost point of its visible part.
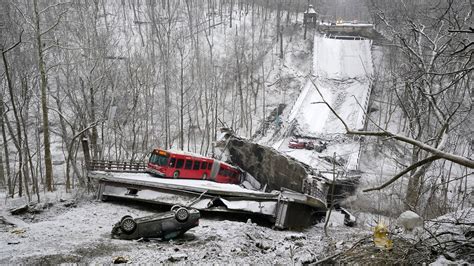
(274, 170)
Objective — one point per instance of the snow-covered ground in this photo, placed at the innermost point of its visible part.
(82, 234)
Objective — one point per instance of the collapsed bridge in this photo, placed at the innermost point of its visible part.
(287, 191)
(285, 207)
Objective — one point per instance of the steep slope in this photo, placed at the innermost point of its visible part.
(341, 75)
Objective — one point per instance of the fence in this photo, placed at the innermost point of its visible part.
(114, 166)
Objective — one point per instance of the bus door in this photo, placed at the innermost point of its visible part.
(214, 170)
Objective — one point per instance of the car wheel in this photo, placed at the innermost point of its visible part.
(128, 225)
(126, 216)
(204, 176)
(175, 208)
(176, 174)
(182, 214)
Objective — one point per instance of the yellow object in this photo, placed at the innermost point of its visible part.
(18, 231)
(381, 239)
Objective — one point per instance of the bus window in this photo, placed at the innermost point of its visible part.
(222, 172)
(189, 164)
(204, 165)
(209, 166)
(179, 163)
(196, 165)
(172, 162)
(160, 160)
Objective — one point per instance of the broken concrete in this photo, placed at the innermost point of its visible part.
(276, 171)
(267, 165)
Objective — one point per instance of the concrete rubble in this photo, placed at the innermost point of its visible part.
(269, 169)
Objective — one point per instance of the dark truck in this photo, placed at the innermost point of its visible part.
(165, 225)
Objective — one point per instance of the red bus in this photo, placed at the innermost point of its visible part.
(180, 164)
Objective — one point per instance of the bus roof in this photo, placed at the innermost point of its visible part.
(195, 155)
(183, 153)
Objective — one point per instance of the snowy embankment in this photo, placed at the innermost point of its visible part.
(81, 233)
(342, 71)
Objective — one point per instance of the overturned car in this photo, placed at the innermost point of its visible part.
(166, 225)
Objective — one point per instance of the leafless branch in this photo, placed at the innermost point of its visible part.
(465, 47)
(435, 151)
(406, 170)
(55, 24)
(471, 30)
(14, 45)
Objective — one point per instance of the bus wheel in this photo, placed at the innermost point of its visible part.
(176, 174)
(204, 176)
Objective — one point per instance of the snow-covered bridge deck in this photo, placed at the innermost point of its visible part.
(285, 208)
(342, 71)
(198, 186)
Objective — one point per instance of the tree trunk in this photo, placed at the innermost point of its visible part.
(181, 100)
(28, 161)
(44, 105)
(94, 134)
(278, 18)
(3, 180)
(2, 170)
(281, 42)
(17, 139)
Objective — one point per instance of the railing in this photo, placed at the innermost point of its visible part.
(114, 166)
(316, 189)
(346, 37)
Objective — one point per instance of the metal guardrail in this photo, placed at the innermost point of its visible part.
(114, 166)
(346, 37)
(315, 189)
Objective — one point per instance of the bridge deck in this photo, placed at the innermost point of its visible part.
(284, 208)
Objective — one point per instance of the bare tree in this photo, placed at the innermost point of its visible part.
(435, 71)
(39, 33)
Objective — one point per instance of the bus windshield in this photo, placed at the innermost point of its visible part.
(158, 159)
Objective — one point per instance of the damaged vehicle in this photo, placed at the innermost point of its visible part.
(300, 144)
(166, 225)
(316, 145)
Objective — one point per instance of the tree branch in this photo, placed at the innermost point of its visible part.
(406, 170)
(435, 151)
(55, 24)
(13, 46)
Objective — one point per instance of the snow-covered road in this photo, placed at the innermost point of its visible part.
(342, 71)
(342, 59)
